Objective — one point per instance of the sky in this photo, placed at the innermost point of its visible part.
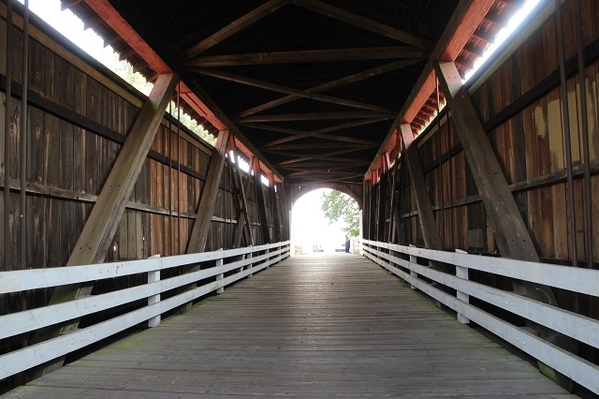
(309, 226)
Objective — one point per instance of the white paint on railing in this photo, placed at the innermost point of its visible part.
(462, 272)
(154, 277)
(22, 322)
(219, 263)
(412, 272)
(576, 279)
(576, 326)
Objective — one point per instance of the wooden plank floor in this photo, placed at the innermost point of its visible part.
(315, 325)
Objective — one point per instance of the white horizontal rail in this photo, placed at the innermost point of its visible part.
(22, 322)
(575, 279)
(23, 280)
(579, 327)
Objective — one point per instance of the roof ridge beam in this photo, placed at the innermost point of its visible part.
(286, 57)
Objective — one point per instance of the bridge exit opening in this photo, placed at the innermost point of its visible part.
(323, 221)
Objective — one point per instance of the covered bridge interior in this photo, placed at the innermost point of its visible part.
(365, 97)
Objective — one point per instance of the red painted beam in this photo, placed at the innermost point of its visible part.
(448, 49)
(122, 28)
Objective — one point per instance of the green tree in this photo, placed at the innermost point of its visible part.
(338, 206)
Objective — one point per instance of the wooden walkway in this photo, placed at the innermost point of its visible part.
(314, 325)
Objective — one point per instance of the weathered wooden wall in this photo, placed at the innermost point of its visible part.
(78, 117)
(521, 109)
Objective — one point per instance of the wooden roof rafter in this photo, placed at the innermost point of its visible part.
(287, 90)
(316, 116)
(299, 134)
(332, 84)
(364, 23)
(235, 27)
(304, 56)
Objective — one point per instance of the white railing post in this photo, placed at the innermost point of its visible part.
(241, 268)
(154, 277)
(220, 262)
(250, 265)
(391, 262)
(462, 272)
(413, 274)
(267, 258)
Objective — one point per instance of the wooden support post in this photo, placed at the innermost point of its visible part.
(201, 226)
(426, 218)
(285, 209)
(261, 201)
(99, 230)
(512, 236)
(274, 200)
(366, 200)
(393, 201)
(382, 203)
(431, 236)
(243, 221)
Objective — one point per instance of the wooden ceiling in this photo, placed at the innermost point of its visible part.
(314, 86)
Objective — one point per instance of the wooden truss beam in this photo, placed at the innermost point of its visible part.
(286, 57)
(201, 226)
(312, 164)
(287, 90)
(97, 234)
(261, 202)
(243, 221)
(511, 234)
(236, 26)
(321, 146)
(426, 218)
(94, 241)
(510, 231)
(274, 200)
(316, 116)
(331, 156)
(392, 66)
(365, 23)
(320, 133)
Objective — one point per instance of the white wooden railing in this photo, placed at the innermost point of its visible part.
(576, 326)
(231, 266)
